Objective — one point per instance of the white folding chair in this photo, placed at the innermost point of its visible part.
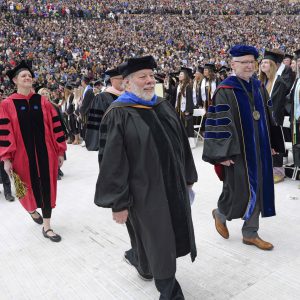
(198, 112)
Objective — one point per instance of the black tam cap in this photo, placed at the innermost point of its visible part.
(276, 56)
(297, 54)
(20, 67)
(137, 64)
(113, 72)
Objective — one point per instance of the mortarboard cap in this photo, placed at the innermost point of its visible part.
(287, 55)
(188, 71)
(224, 69)
(297, 54)
(274, 55)
(136, 64)
(113, 72)
(38, 87)
(242, 50)
(210, 66)
(86, 79)
(20, 67)
(98, 82)
(69, 86)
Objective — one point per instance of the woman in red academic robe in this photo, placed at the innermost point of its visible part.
(32, 144)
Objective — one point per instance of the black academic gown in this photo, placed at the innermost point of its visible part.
(278, 96)
(295, 127)
(84, 110)
(288, 76)
(97, 109)
(187, 116)
(145, 166)
(228, 138)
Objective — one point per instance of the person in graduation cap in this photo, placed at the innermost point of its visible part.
(278, 90)
(287, 60)
(294, 98)
(238, 142)
(198, 77)
(32, 144)
(99, 106)
(70, 115)
(146, 170)
(223, 73)
(184, 104)
(170, 87)
(85, 104)
(208, 85)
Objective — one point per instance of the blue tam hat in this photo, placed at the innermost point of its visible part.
(242, 50)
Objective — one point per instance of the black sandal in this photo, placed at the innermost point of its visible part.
(38, 220)
(56, 238)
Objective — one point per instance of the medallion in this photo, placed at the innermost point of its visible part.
(256, 115)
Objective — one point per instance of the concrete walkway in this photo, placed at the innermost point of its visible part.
(88, 263)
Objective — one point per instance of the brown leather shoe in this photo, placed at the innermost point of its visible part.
(259, 243)
(221, 228)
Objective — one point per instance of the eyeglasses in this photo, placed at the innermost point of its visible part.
(246, 62)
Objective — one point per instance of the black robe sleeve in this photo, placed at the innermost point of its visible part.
(191, 175)
(112, 188)
(221, 141)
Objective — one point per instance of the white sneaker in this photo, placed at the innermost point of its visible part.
(83, 144)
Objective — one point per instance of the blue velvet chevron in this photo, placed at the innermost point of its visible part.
(247, 120)
(217, 122)
(218, 108)
(218, 135)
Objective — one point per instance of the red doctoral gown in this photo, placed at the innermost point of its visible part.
(31, 136)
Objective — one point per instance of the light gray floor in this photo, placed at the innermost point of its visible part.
(88, 263)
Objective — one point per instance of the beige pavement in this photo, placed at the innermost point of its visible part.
(88, 263)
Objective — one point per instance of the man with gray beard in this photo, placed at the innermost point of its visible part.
(146, 169)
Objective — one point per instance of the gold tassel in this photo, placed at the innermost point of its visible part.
(21, 188)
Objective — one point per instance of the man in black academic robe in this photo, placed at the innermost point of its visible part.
(99, 106)
(146, 166)
(237, 142)
(87, 99)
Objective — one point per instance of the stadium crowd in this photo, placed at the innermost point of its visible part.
(99, 9)
(62, 49)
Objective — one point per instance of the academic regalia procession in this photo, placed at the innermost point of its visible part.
(141, 135)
